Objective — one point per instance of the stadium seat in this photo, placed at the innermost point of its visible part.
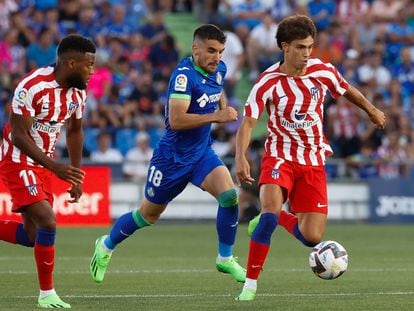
(91, 138)
(125, 139)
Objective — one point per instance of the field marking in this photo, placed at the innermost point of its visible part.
(399, 293)
(58, 271)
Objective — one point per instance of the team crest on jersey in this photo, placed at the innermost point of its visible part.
(275, 173)
(72, 107)
(32, 189)
(219, 78)
(180, 83)
(314, 92)
(150, 192)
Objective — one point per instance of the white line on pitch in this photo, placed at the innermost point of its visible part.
(223, 295)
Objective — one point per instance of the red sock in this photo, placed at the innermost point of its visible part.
(8, 230)
(257, 257)
(288, 221)
(45, 261)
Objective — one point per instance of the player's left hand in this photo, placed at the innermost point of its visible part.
(75, 193)
(377, 117)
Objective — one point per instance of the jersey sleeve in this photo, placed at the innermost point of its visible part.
(337, 85)
(257, 99)
(22, 103)
(81, 107)
(181, 85)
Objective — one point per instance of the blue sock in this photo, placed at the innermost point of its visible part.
(22, 238)
(264, 230)
(300, 237)
(125, 226)
(227, 221)
(45, 237)
(227, 228)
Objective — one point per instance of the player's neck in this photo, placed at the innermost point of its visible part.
(292, 70)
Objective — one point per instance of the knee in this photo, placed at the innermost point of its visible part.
(313, 237)
(228, 198)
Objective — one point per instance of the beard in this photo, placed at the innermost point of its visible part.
(75, 80)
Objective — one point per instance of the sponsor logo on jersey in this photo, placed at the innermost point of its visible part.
(41, 127)
(300, 121)
(219, 78)
(180, 83)
(183, 68)
(21, 96)
(204, 99)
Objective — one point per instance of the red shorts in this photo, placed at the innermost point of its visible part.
(27, 185)
(305, 184)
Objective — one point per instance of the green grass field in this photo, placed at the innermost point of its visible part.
(171, 267)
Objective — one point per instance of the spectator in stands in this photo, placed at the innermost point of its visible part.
(398, 34)
(26, 35)
(42, 53)
(233, 57)
(325, 50)
(164, 57)
(372, 72)
(247, 15)
(137, 51)
(117, 26)
(142, 104)
(6, 8)
(364, 34)
(392, 157)
(322, 13)
(351, 12)
(136, 162)
(385, 11)
(154, 31)
(87, 25)
(262, 50)
(105, 153)
(342, 128)
(12, 54)
(363, 164)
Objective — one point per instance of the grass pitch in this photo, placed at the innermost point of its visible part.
(171, 267)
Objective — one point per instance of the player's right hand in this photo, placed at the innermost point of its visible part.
(226, 114)
(71, 174)
(243, 171)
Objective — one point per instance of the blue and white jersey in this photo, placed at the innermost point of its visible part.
(189, 81)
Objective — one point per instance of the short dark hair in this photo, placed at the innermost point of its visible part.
(210, 32)
(75, 43)
(295, 27)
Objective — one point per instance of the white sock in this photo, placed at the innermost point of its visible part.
(223, 259)
(250, 284)
(106, 249)
(44, 293)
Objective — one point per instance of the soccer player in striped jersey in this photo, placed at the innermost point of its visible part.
(44, 100)
(184, 154)
(292, 92)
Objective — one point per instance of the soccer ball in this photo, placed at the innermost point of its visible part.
(328, 260)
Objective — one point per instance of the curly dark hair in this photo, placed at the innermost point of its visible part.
(295, 27)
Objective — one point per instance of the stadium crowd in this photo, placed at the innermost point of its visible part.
(370, 41)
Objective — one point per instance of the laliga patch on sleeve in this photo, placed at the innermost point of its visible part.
(180, 83)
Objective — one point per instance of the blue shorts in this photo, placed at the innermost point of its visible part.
(167, 179)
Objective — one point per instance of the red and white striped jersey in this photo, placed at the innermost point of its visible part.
(39, 96)
(295, 109)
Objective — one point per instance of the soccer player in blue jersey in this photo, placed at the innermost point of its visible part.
(184, 154)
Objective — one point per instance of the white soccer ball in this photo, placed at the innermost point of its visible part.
(328, 260)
